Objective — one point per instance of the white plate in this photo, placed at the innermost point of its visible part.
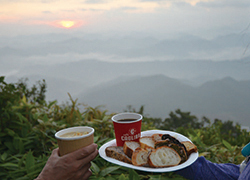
(192, 158)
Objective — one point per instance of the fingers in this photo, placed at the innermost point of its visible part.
(84, 152)
(81, 157)
(75, 165)
(84, 161)
(83, 173)
(87, 175)
(55, 152)
(91, 156)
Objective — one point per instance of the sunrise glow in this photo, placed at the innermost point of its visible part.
(67, 24)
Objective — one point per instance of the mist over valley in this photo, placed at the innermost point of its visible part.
(191, 82)
(208, 77)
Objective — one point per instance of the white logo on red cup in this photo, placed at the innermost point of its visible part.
(125, 137)
(132, 131)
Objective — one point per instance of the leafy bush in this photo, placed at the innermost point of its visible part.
(28, 125)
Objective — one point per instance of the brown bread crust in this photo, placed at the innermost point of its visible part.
(170, 158)
(117, 153)
(147, 142)
(140, 157)
(127, 149)
(190, 147)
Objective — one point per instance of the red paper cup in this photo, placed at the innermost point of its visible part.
(127, 127)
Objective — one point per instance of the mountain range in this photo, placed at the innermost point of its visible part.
(116, 48)
(204, 76)
(225, 99)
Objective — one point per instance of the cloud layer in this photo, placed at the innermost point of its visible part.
(154, 16)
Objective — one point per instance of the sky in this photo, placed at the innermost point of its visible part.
(38, 34)
(205, 18)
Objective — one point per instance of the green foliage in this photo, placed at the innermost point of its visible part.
(36, 93)
(28, 125)
(182, 119)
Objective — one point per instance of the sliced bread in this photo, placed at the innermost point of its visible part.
(157, 137)
(129, 147)
(163, 156)
(190, 147)
(177, 146)
(117, 153)
(140, 157)
(147, 142)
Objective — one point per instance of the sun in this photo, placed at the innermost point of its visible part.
(67, 24)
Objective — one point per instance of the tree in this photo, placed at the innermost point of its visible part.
(36, 94)
(182, 119)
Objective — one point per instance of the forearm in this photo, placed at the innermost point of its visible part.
(206, 170)
(245, 173)
(39, 178)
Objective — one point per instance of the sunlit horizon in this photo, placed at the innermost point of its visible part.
(196, 17)
(67, 24)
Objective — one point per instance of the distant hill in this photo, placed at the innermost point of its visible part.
(230, 46)
(92, 72)
(225, 99)
(193, 85)
(204, 76)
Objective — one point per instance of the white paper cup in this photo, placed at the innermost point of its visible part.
(70, 144)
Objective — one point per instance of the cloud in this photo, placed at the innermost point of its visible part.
(205, 3)
(192, 2)
(91, 9)
(69, 10)
(225, 4)
(154, 1)
(47, 12)
(127, 15)
(128, 8)
(8, 19)
(94, 1)
(27, 1)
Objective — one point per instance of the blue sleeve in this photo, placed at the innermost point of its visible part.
(203, 169)
(246, 172)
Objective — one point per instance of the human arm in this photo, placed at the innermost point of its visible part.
(72, 166)
(246, 172)
(203, 169)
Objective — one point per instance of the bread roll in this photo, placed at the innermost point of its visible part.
(147, 142)
(117, 153)
(129, 147)
(190, 147)
(163, 156)
(140, 157)
(157, 137)
(174, 144)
